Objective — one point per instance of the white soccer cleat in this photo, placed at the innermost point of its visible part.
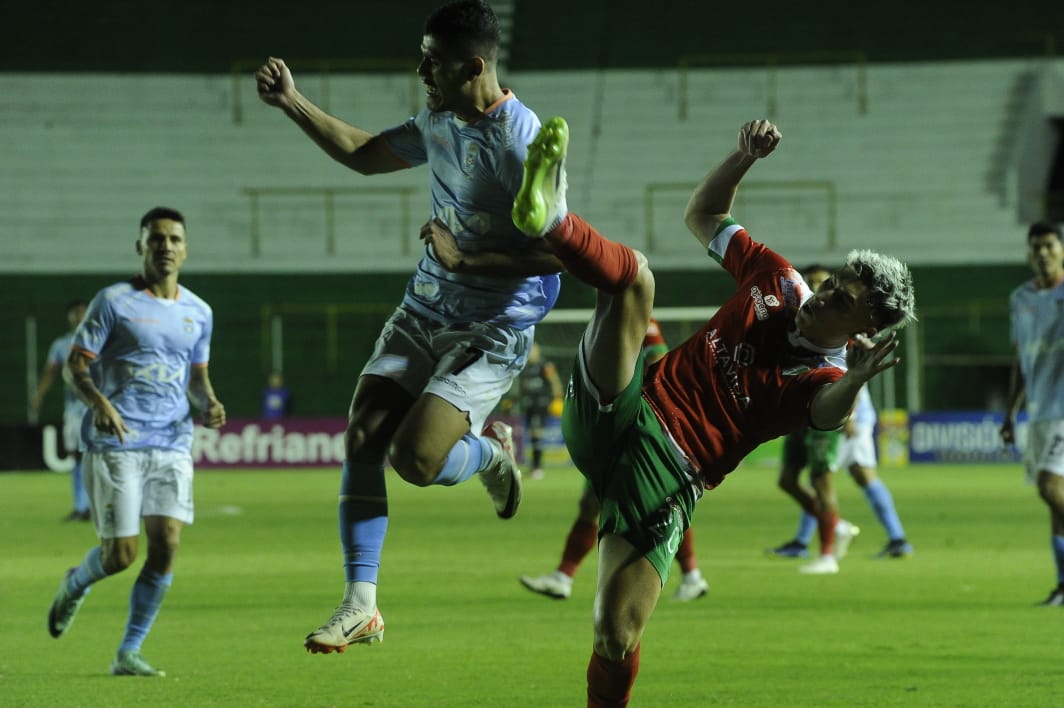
(557, 585)
(691, 590)
(348, 625)
(824, 565)
(501, 477)
(845, 532)
(540, 202)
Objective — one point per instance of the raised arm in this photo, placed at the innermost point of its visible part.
(201, 393)
(353, 147)
(712, 200)
(865, 359)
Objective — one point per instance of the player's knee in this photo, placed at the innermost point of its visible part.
(359, 444)
(117, 556)
(613, 645)
(413, 467)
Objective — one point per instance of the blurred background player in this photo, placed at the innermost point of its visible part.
(584, 533)
(824, 452)
(73, 407)
(539, 397)
(467, 320)
(276, 398)
(138, 359)
(1036, 311)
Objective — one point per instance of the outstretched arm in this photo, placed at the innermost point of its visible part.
(353, 147)
(865, 359)
(712, 200)
(536, 259)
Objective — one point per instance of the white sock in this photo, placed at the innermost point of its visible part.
(361, 594)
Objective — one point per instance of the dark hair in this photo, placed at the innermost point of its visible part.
(76, 303)
(161, 213)
(467, 26)
(1041, 228)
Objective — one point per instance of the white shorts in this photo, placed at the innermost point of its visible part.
(125, 485)
(858, 450)
(1045, 448)
(470, 366)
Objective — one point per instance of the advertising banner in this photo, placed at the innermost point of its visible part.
(962, 436)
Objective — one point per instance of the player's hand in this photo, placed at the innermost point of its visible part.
(444, 245)
(107, 420)
(1008, 431)
(275, 83)
(759, 138)
(214, 416)
(866, 358)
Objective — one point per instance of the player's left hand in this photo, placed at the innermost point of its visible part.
(444, 245)
(866, 358)
(214, 416)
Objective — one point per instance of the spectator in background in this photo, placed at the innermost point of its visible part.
(538, 388)
(1036, 311)
(138, 359)
(276, 398)
(73, 407)
(584, 532)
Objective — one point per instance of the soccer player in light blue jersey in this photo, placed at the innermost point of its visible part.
(73, 407)
(1036, 311)
(465, 325)
(138, 358)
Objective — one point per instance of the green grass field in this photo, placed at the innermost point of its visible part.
(954, 625)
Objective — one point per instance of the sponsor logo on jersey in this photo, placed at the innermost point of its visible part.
(759, 303)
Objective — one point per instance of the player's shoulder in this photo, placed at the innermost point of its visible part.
(191, 299)
(514, 120)
(116, 291)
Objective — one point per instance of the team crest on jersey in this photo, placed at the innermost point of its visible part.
(189, 325)
(469, 162)
(772, 301)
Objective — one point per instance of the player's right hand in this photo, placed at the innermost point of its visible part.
(759, 138)
(1008, 431)
(274, 82)
(107, 420)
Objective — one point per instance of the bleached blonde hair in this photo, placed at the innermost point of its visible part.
(890, 287)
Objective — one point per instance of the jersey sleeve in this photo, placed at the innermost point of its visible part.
(59, 351)
(513, 149)
(407, 142)
(201, 351)
(739, 254)
(95, 328)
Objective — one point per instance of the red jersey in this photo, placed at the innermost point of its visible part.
(746, 376)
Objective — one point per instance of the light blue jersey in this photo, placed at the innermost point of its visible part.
(475, 173)
(1037, 323)
(864, 413)
(142, 347)
(58, 354)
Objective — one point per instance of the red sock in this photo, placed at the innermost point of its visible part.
(609, 683)
(582, 538)
(594, 259)
(685, 554)
(825, 527)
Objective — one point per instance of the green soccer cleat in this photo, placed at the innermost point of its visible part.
(540, 203)
(64, 608)
(131, 663)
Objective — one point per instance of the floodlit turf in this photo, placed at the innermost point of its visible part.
(954, 625)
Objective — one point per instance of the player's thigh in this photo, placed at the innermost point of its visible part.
(114, 481)
(377, 409)
(475, 364)
(427, 433)
(613, 340)
(628, 589)
(168, 485)
(72, 430)
(1045, 448)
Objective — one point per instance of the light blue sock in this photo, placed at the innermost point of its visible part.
(464, 459)
(806, 528)
(90, 571)
(882, 503)
(1058, 555)
(144, 602)
(77, 483)
(363, 520)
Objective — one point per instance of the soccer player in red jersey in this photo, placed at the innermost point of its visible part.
(774, 358)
